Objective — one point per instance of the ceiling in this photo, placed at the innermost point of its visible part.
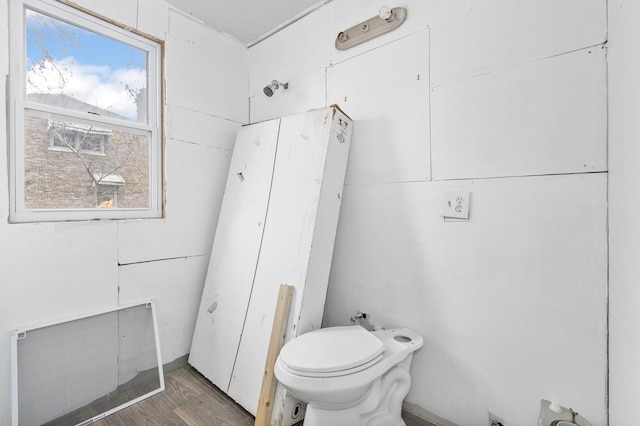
(247, 20)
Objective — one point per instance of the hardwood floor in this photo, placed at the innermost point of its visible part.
(188, 400)
(191, 400)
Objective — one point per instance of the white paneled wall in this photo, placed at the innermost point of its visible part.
(4, 165)
(152, 20)
(206, 71)
(480, 36)
(624, 152)
(176, 286)
(386, 91)
(508, 102)
(122, 11)
(196, 175)
(542, 117)
(496, 299)
(282, 59)
(186, 125)
(53, 271)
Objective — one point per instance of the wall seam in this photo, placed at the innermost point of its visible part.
(516, 65)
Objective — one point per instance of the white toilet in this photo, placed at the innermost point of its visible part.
(349, 376)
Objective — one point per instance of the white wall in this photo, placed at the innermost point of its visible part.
(624, 156)
(506, 100)
(51, 271)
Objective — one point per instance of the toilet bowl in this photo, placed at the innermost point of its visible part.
(349, 376)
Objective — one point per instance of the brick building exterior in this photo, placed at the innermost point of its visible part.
(69, 165)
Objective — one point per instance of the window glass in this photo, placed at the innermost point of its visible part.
(70, 67)
(85, 122)
(72, 165)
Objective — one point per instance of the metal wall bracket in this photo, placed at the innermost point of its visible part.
(387, 20)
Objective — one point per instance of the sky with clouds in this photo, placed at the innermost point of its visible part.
(65, 59)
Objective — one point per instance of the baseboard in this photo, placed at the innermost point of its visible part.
(421, 417)
(409, 418)
(175, 364)
(413, 419)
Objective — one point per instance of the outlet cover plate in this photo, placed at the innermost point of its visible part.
(455, 204)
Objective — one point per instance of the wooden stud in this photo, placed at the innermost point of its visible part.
(269, 382)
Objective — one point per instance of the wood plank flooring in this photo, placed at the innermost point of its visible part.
(188, 400)
(191, 400)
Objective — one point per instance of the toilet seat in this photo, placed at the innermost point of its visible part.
(331, 352)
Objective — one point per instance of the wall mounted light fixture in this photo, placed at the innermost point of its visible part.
(387, 20)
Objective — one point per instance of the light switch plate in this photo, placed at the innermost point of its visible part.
(456, 205)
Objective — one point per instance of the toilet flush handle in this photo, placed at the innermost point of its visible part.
(358, 318)
(573, 415)
(362, 319)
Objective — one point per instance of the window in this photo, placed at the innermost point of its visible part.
(75, 138)
(85, 123)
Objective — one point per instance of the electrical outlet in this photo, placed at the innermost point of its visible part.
(495, 420)
(456, 205)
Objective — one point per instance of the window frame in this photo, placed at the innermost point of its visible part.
(20, 107)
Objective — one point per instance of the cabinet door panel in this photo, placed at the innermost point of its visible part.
(235, 253)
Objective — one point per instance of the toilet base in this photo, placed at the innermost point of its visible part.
(382, 406)
(319, 416)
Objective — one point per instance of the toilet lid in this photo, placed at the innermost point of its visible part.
(331, 349)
